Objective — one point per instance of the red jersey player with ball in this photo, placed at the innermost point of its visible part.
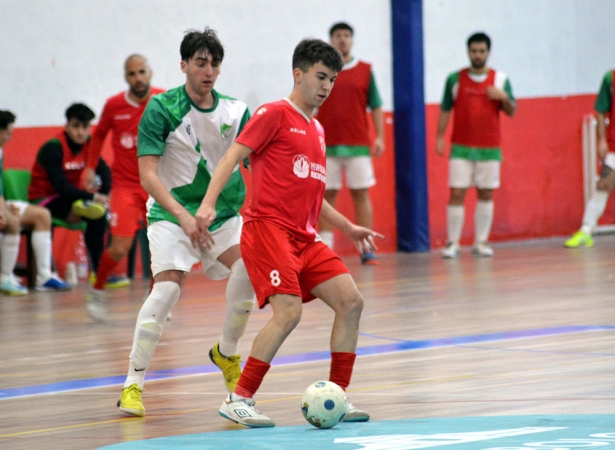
(287, 262)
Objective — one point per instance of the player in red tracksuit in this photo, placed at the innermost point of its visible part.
(121, 115)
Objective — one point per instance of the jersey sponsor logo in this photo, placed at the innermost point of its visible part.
(301, 166)
(128, 140)
(122, 116)
(318, 172)
(74, 165)
(261, 111)
(298, 131)
(188, 128)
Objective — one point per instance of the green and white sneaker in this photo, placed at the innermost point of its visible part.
(579, 239)
(10, 286)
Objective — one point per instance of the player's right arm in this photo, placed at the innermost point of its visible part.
(206, 213)
(448, 99)
(603, 106)
(148, 173)
(96, 144)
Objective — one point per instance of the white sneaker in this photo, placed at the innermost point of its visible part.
(241, 410)
(482, 250)
(96, 305)
(353, 414)
(451, 251)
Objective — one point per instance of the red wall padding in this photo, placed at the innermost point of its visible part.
(542, 175)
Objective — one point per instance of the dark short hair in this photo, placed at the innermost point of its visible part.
(311, 51)
(201, 42)
(340, 26)
(480, 37)
(80, 112)
(6, 118)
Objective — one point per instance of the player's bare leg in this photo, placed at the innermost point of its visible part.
(342, 295)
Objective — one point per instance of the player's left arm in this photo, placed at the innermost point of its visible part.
(375, 105)
(361, 237)
(505, 96)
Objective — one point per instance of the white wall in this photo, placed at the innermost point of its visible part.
(55, 52)
(547, 47)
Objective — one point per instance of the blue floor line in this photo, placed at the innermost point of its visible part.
(400, 346)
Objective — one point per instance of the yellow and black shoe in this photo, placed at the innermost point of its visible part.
(89, 209)
(229, 365)
(130, 401)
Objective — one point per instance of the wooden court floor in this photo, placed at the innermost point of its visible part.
(530, 331)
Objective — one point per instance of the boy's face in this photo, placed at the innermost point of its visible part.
(315, 84)
(77, 131)
(5, 135)
(201, 73)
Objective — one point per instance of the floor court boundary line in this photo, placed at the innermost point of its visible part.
(398, 346)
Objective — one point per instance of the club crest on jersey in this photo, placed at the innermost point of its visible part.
(127, 140)
(301, 166)
(225, 130)
(188, 128)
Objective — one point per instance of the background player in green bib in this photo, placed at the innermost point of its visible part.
(183, 134)
(477, 93)
(606, 153)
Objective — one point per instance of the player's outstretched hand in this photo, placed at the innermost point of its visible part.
(363, 238)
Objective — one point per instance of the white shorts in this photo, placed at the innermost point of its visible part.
(609, 160)
(464, 173)
(171, 249)
(20, 205)
(359, 172)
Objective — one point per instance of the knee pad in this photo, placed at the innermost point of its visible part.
(151, 321)
(240, 295)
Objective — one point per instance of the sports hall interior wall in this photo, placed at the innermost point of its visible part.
(555, 68)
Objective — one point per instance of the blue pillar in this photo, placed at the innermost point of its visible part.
(409, 115)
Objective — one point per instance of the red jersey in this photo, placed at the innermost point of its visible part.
(477, 119)
(121, 115)
(73, 165)
(288, 168)
(343, 114)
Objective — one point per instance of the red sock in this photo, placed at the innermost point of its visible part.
(251, 377)
(105, 266)
(341, 368)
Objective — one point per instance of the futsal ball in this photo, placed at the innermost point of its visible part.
(324, 404)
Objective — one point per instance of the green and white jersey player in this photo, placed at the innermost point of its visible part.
(183, 134)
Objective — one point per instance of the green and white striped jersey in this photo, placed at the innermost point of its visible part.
(190, 142)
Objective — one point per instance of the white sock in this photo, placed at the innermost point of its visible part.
(240, 301)
(455, 215)
(483, 218)
(327, 238)
(150, 324)
(41, 244)
(9, 251)
(593, 210)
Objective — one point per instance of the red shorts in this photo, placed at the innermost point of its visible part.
(127, 211)
(277, 263)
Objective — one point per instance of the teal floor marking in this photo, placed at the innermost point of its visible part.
(536, 432)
